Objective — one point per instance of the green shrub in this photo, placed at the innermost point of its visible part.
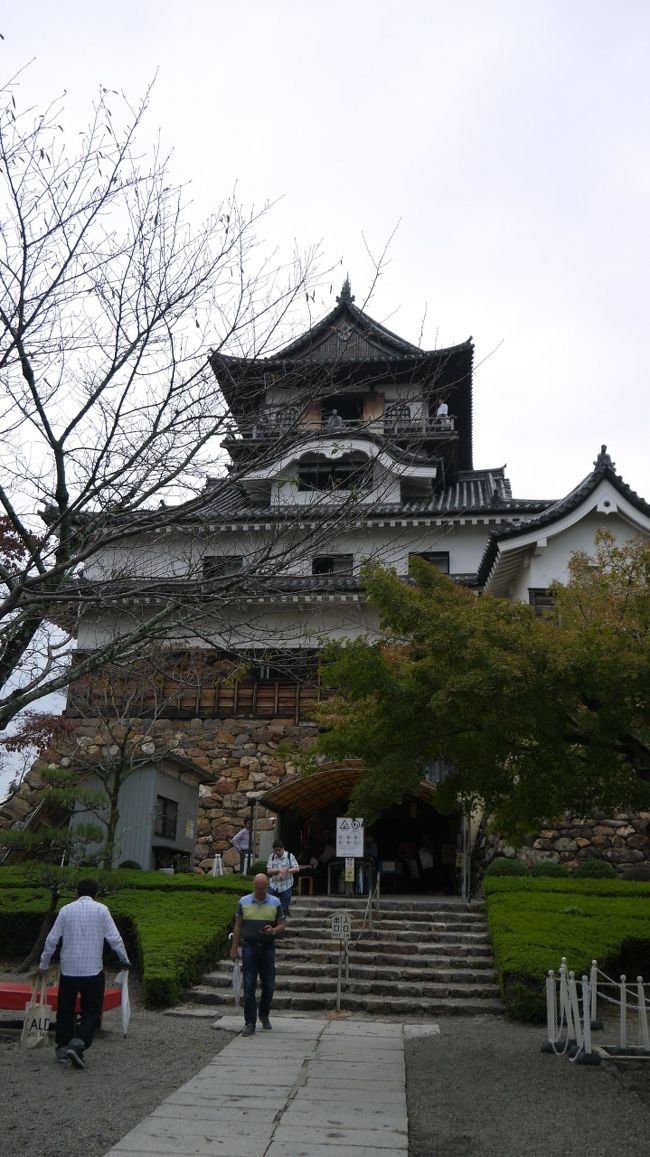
(256, 867)
(130, 864)
(504, 867)
(548, 868)
(595, 870)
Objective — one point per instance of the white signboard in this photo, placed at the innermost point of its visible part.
(341, 926)
(349, 870)
(349, 836)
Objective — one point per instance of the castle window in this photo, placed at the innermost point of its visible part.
(541, 601)
(222, 565)
(332, 564)
(350, 471)
(437, 558)
(166, 818)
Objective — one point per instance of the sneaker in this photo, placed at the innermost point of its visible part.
(61, 1055)
(266, 1023)
(75, 1053)
(249, 1030)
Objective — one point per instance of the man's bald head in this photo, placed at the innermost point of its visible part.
(260, 885)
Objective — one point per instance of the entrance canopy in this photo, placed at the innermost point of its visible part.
(307, 794)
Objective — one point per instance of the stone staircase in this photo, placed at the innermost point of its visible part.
(423, 956)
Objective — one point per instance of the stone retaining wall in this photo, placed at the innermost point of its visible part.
(240, 755)
(622, 839)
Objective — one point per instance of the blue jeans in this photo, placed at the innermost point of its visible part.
(258, 960)
(285, 900)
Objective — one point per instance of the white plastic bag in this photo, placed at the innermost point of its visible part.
(122, 981)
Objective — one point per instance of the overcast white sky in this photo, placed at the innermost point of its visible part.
(510, 139)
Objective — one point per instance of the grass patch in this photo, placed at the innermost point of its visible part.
(535, 922)
(174, 926)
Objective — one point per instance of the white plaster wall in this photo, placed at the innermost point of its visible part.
(545, 565)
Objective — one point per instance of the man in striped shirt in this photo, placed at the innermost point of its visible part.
(82, 927)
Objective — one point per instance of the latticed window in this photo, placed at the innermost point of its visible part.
(397, 416)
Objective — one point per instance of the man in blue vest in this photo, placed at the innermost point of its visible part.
(258, 922)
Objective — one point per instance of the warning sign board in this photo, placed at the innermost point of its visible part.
(349, 836)
(341, 925)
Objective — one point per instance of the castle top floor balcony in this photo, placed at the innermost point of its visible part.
(288, 423)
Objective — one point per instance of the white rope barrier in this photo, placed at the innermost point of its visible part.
(572, 1013)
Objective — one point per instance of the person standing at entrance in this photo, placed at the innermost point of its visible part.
(82, 927)
(282, 866)
(242, 842)
(258, 921)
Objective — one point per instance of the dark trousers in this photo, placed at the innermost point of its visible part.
(91, 991)
(258, 960)
(285, 900)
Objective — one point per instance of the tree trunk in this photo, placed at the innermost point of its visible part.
(48, 921)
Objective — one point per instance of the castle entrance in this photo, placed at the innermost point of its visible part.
(412, 844)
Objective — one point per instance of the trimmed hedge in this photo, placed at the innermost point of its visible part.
(175, 926)
(595, 870)
(535, 922)
(548, 868)
(504, 867)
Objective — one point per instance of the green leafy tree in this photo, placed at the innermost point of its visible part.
(531, 717)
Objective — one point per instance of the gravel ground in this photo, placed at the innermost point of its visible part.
(480, 1089)
(57, 1111)
(484, 1089)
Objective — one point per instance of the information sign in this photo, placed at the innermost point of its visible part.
(341, 925)
(349, 869)
(349, 836)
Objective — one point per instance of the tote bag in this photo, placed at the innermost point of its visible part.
(38, 1015)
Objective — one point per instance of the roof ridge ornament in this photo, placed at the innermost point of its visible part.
(603, 461)
(346, 296)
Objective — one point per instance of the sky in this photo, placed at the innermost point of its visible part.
(508, 142)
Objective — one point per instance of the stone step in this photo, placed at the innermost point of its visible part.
(423, 916)
(220, 987)
(411, 904)
(413, 1004)
(387, 953)
(317, 920)
(395, 936)
(415, 962)
(444, 975)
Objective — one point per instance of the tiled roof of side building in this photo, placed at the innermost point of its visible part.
(551, 512)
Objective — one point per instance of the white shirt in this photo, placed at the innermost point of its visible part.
(84, 925)
(442, 410)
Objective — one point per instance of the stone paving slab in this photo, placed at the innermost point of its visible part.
(278, 1149)
(357, 1028)
(313, 1092)
(301, 1137)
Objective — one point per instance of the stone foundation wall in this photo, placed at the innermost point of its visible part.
(622, 839)
(240, 755)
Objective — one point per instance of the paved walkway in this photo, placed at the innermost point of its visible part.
(309, 1088)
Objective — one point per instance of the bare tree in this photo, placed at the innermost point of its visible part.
(108, 402)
